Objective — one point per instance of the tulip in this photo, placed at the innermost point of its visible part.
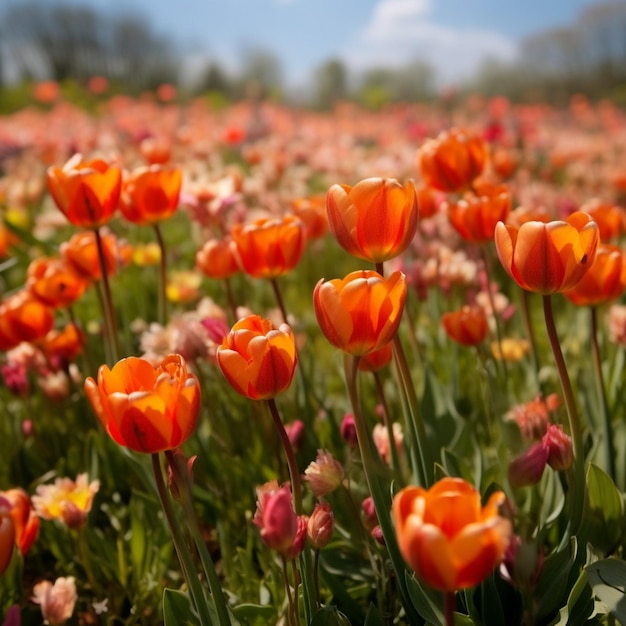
(275, 516)
(257, 359)
(348, 430)
(475, 216)
(150, 194)
(360, 313)
(56, 600)
(548, 258)
(7, 534)
(560, 448)
(320, 525)
(526, 470)
(269, 247)
(605, 280)
(25, 519)
(23, 318)
(81, 252)
(146, 408)
(218, 258)
(63, 346)
(467, 326)
(312, 211)
(375, 361)
(86, 192)
(375, 220)
(54, 281)
(453, 160)
(610, 218)
(446, 537)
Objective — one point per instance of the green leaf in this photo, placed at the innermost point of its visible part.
(552, 583)
(608, 583)
(604, 511)
(373, 617)
(580, 604)
(424, 601)
(329, 616)
(255, 613)
(177, 609)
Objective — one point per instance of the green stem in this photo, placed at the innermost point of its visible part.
(184, 555)
(109, 316)
(530, 333)
(181, 473)
(290, 612)
(606, 417)
(230, 298)
(578, 487)
(449, 604)
(294, 474)
(395, 460)
(162, 276)
(416, 422)
(380, 493)
(316, 568)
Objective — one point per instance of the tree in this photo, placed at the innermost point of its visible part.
(330, 83)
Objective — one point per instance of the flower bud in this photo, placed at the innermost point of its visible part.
(560, 449)
(275, 516)
(526, 470)
(324, 474)
(348, 430)
(299, 540)
(370, 519)
(320, 526)
(377, 535)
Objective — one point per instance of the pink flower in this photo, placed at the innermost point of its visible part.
(275, 516)
(527, 469)
(324, 474)
(295, 433)
(320, 526)
(380, 434)
(560, 449)
(57, 601)
(348, 430)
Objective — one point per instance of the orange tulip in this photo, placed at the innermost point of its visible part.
(54, 281)
(86, 192)
(453, 160)
(605, 280)
(63, 346)
(269, 247)
(446, 537)
(475, 216)
(374, 220)
(548, 258)
(23, 318)
(218, 258)
(467, 326)
(312, 211)
(257, 359)
(146, 408)
(360, 313)
(81, 252)
(428, 201)
(150, 194)
(25, 519)
(610, 218)
(375, 361)
(7, 534)
(156, 151)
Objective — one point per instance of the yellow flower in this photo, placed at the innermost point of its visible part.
(513, 349)
(66, 500)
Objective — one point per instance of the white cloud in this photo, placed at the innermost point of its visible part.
(400, 31)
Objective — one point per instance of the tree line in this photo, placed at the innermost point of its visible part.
(60, 41)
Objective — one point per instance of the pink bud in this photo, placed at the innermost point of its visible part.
(324, 474)
(561, 451)
(348, 430)
(300, 539)
(275, 517)
(370, 519)
(295, 433)
(320, 526)
(377, 535)
(527, 469)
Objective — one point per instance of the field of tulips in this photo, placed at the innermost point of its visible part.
(262, 365)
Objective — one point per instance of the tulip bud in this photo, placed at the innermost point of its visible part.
(526, 470)
(370, 519)
(377, 535)
(522, 563)
(299, 540)
(560, 449)
(320, 526)
(295, 433)
(348, 430)
(275, 516)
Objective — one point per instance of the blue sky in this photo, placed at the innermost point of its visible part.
(453, 35)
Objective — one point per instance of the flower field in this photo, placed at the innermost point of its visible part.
(264, 365)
